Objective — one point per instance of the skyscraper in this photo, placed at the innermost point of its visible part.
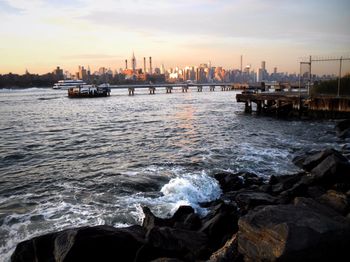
(133, 59)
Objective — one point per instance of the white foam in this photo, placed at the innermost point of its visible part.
(190, 190)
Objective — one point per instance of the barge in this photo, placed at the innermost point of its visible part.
(88, 91)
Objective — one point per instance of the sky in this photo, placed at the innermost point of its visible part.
(39, 35)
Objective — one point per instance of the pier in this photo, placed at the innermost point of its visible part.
(295, 104)
(184, 87)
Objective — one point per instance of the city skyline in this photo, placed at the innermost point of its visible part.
(40, 35)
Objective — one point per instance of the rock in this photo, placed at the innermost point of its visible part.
(343, 128)
(220, 225)
(36, 249)
(168, 242)
(228, 253)
(150, 220)
(184, 218)
(99, 243)
(249, 199)
(315, 159)
(336, 200)
(315, 191)
(234, 182)
(285, 182)
(304, 231)
(229, 181)
(166, 259)
(333, 169)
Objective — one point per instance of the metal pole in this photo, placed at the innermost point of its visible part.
(310, 76)
(339, 77)
(300, 86)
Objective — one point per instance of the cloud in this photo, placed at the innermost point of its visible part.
(251, 19)
(6, 8)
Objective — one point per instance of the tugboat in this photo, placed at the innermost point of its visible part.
(86, 91)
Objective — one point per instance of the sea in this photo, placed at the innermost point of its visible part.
(76, 162)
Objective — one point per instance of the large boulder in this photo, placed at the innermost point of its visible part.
(304, 231)
(248, 199)
(99, 243)
(335, 168)
(234, 182)
(311, 159)
(184, 218)
(220, 224)
(343, 128)
(169, 242)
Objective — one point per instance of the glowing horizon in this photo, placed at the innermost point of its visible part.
(39, 35)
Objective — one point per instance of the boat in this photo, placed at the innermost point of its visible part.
(82, 91)
(66, 84)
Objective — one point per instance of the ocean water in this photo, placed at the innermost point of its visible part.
(73, 162)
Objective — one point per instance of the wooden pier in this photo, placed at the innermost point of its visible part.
(184, 87)
(296, 104)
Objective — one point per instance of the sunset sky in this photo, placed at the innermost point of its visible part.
(38, 35)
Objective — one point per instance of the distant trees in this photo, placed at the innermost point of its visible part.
(27, 80)
(48, 80)
(330, 87)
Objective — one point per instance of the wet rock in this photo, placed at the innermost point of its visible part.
(304, 231)
(315, 191)
(150, 220)
(333, 169)
(100, 243)
(220, 225)
(249, 199)
(184, 218)
(285, 182)
(343, 128)
(311, 160)
(228, 253)
(234, 182)
(166, 259)
(336, 200)
(174, 243)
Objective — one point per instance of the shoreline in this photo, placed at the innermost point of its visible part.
(253, 220)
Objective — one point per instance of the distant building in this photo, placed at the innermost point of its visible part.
(58, 73)
(82, 73)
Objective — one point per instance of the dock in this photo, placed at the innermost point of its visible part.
(295, 104)
(184, 87)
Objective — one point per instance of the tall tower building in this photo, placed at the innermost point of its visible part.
(144, 65)
(150, 65)
(263, 65)
(133, 59)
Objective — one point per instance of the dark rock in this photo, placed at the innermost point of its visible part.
(234, 182)
(228, 253)
(315, 159)
(150, 220)
(343, 128)
(336, 200)
(304, 231)
(333, 169)
(265, 188)
(100, 243)
(315, 191)
(166, 259)
(273, 180)
(220, 224)
(249, 199)
(175, 243)
(286, 182)
(184, 218)
(36, 249)
(229, 181)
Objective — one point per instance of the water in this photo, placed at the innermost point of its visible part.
(72, 162)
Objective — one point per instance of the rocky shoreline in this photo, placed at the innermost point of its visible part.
(300, 217)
